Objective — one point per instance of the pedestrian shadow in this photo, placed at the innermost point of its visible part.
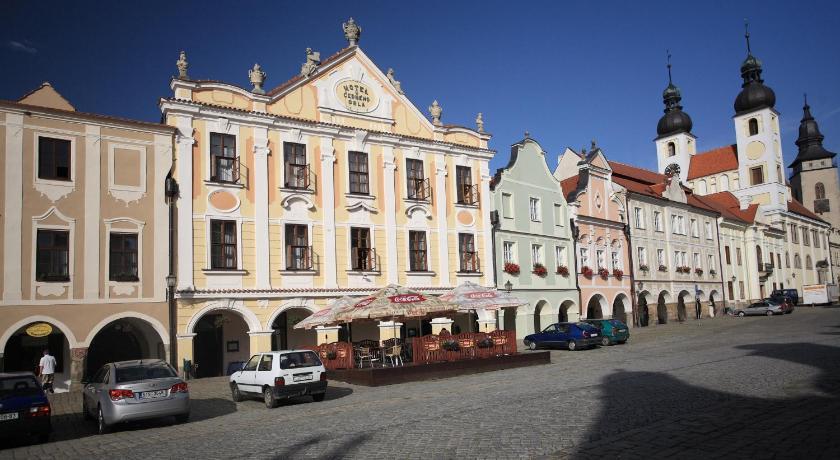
(653, 415)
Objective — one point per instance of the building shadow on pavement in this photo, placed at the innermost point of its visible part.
(334, 448)
(655, 415)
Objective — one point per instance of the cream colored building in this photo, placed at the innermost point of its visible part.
(333, 183)
(84, 236)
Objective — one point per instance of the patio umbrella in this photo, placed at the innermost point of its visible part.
(328, 315)
(471, 296)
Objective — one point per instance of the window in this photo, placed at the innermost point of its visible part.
(507, 205)
(819, 191)
(677, 261)
(806, 240)
(468, 255)
(224, 166)
(753, 126)
(584, 257)
(757, 175)
(362, 255)
(639, 217)
(558, 215)
(359, 182)
(709, 232)
(508, 252)
(787, 260)
(418, 185)
(296, 169)
(794, 235)
(298, 251)
(681, 224)
(536, 254)
(660, 256)
(815, 238)
(223, 251)
(797, 261)
(52, 255)
(53, 159)
(600, 257)
(616, 263)
(738, 256)
(266, 362)
(758, 258)
(778, 260)
(701, 187)
(674, 228)
(741, 289)
(727, 255)
(251, 365)
(122, 264)
(695, 230)
(657, 220)
(808, 264)
(417, 251)
(642, 255)
(466, 192)
(711, 262)
(534, 208)
(560, 255)
(731, 289)
(779, 177)
(672, 149)
(697, 261)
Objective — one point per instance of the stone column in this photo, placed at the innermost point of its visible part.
(78, 359)
(185, 351)
(389, 330)
(184, 166)
(260, 341)
(327, 334)
(92, 219)
(261, 152)
(390, 215)
(439, 324)
(328, 185)
(487, 263)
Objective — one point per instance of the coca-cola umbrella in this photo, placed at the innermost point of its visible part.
(327, 316)
(470, 296)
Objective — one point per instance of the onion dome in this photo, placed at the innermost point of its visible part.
(810, 141)
(754, 94)
(674, 121)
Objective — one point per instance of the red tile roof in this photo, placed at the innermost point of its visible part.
(713, 162)
(799, 208)
(727, 204)
(636, 173)
(649, 183)
(569, 185)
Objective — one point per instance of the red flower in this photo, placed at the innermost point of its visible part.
(539, 270)
(511, 268)
(563, 270)
(586, 271)
(698, 271)
(603, 272)
(618, 274)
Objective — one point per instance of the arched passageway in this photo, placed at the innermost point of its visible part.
(123, 339)
(621, 306)
(221, 343)
(24, 348)
(567, 309)
(682, 299)
(508, 322)
(662, 307)
(595, 307)
(714, 299)
(284, 336)
(542, 305)
(644, 311)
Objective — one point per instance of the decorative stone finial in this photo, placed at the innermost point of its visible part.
(352, 32)
(436, 111)
(479, 123)
(594, 146)
(257, 77)
(394, 81)
(313, 60)
(182, 65)
(527, 134)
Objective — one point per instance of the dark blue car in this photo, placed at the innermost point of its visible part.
(24, 407)
(572, 336)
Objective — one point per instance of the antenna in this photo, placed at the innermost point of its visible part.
(747, 34)
(668, 58)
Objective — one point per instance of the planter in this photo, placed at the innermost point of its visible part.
(563, 270)
(618, 274)
(663, 268)
(511, 268)
(539, 270)
(644, 268)
(586, 271)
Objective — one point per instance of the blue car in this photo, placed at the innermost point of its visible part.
(24, 407)
(571, 336)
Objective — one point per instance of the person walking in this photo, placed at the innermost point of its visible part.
(46, 370)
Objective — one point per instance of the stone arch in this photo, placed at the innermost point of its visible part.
(541, 307)
(644, 300)
(682, 314)
(124, 337)
(662, 307)
(701, 187)
(237, 306)
(714, 301)
(284, 336)
(68, 333)
(596, 307)
(723, 183)
(154, 323)
(567, 311)
(23, 355)
(621, 306)
(303, 304)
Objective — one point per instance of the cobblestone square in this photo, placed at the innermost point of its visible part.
(723, 388)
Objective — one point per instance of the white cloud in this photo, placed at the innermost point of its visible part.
(24, 46)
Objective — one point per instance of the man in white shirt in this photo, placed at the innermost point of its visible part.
(46, 369)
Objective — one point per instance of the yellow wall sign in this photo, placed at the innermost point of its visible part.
(39, 330)
(356, 96)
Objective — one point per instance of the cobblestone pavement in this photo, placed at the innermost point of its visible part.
(726, 388)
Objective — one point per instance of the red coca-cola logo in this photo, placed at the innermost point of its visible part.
(364, 303)
(407, 298)
(481, 295)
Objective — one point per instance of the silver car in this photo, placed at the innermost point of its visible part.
(135, 390)
(763, 307)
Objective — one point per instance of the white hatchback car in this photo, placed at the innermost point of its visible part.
(279, 375)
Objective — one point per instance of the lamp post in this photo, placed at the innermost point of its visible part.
(508, 286)
(171, 189)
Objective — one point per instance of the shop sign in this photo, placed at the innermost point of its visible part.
(356, 96)
(39, 330)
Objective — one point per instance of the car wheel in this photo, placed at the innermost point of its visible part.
(319, 397)
(572, 346)
(235, 394)
(182, 418)
(85, 412)
(769, 313)
(622, 342)
(605, 341)
(532, 345)
(268, 397)
(43, 438)
(100, 418)
(741, 314)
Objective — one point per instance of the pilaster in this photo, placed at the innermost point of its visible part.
(443, 229)
(92, 188)
(390, 215)
(184, 165)
(486, 267)
(261, 152)
(327, 177)
(13, 207)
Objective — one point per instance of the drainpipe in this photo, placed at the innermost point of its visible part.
(632, 270)
(575, 233)
(494, 225)
(171, 189)
(720, 267)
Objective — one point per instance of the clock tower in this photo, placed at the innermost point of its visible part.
(674, 142)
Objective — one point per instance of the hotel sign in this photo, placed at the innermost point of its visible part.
(39, 330)
(356, 96)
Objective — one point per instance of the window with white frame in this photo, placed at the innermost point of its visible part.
(657, 221)
(508, 251)
(681, 224)
(560, 255)
(536, 254)
(695, 230)
(677, 259)
(616, 262)
(639, 217)
(558, 215)
(708, 226)
(642, 251)
(697, 260)
(534, 207)
(660, 256)
(674, 229)
(600, 257)
(584, 257)
(711, 262)
(507, 205)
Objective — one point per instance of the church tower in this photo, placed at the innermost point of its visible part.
(674, 142)
(814, 181)
(761, 178)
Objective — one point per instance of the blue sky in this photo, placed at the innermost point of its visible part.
(567, 72)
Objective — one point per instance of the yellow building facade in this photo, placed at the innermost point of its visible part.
(333, 183)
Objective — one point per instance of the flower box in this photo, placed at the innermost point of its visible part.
(539, 270)
(698, 271)
(603, 273)
(663, 268)
(683, 269)
(644, 268)
(486, 342)
(563, 270)
(450, 345)
(712, 272)
(618, 273)
(586, 271)
(511, 268)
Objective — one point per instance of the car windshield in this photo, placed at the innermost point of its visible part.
(18, 386)
(586, 327)
(144, 372)
(617, 323)
(299, 359)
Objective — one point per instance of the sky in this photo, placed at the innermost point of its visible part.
(566, 72)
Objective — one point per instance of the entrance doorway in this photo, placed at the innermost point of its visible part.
(24, 349)
(285, 336)
(620, 307)
(595, 307)
(122, 340)
(644, 311)
(221, 344)
(662, 307)
(681, 312)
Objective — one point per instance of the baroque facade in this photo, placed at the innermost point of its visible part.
(84, 237)
(333, 183)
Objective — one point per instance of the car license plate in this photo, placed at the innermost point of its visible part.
(301, 377)
(622, 330)
(153, 394)
(9, 416)
(594, 335)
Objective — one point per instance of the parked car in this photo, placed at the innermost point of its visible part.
(24, 407)
(784, 301)
(763, 307)
(135, 390)
(791, 294)
(280, 375)
(572, 336)
(612, 330)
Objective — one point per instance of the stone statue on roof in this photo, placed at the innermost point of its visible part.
(352, 32)
(313, 60)
(257, 77)
(435, 110)
(479, 123)
(394, 81)
(182, 65)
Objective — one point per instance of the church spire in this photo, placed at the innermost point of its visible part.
(754, 94)
(675, 120)
(810, 140)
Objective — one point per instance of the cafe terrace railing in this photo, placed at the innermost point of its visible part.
(337, 355)
(468, 345)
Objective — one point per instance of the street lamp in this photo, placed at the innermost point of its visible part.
(733, 278)
(508, 286)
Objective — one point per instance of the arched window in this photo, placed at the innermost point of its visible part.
(797, 261)
(723, 183)
(787, 260)
(819, 191)
(701, 187)
(753, 126)
(672, 149)
(758, 257)
(808, 263)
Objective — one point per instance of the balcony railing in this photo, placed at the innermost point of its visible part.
(363, 259)
(468, 194)
(469, 262)
(224, 169)
(299, 177)
(298, 257)
(419, 189)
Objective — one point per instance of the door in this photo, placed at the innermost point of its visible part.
(207, 346)
(563, 334)
(548, 336)
(247, 377)
(265, 374)
(94, 388)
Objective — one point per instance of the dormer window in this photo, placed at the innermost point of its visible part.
(672, 149)
(753, 126)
